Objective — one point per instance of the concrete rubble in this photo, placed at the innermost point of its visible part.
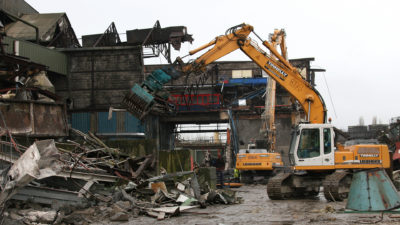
(396, 179)
(82, 180)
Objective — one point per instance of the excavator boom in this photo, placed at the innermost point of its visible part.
(235, 38)
(278, 69)
(291, 80)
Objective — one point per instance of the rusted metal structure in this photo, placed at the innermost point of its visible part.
(110, 37)
(157, 40)
(33, 118)
(28, 111)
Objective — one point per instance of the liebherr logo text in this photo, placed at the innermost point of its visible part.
(277, 69)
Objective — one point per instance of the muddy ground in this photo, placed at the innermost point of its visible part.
(257, 208)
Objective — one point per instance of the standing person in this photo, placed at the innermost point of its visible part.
(220, 167)
(207, 159)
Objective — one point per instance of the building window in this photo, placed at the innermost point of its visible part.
(309, 144)
(242, 74)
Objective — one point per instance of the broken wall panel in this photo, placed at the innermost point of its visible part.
(34, 119)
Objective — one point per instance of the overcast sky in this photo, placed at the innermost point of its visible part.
(357, 42)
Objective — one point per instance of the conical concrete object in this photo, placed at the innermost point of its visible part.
(372, 190)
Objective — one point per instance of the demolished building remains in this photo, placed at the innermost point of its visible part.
(70, 145)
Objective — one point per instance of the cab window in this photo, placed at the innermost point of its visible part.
(309, 146)
(327, 141)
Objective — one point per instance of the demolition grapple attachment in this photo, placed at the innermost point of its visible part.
(141, 98)
(138, 101)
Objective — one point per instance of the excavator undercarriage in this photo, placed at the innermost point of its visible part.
(336, 185)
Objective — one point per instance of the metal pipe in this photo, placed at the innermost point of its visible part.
(274, 52)
(194, 51)
(23, 21)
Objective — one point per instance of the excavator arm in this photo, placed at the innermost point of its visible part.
(290, 79)
(278, 69)
(222, 45)
(141, 98)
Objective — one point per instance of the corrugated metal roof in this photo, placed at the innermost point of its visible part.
(46, 23)
(17, 7)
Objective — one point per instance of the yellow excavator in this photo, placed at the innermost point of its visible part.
(257, 164)
(315, 160)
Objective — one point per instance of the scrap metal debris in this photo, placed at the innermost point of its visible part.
(39, 161)
(84, 180)
(396, 179)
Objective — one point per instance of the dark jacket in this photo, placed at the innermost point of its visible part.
(220, 164)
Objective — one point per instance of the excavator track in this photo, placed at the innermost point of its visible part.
(276, 188)
(336, 186)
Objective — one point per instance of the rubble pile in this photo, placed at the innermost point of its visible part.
(83, 180)
(396, 179)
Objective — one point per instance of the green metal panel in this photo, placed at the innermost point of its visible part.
(8, 44)
(372, 190)
(55, 60)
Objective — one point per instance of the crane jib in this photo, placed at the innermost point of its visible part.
(282, 74)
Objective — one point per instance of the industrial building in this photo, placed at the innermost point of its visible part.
(69, 103)
(91, 78)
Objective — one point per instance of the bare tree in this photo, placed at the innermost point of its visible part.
(374, 120)
(361, 121)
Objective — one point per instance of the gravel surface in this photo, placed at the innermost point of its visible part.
(257, 208)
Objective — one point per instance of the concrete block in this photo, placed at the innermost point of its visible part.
(207, 175)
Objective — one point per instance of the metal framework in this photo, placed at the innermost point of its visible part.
(151, 49)
(110, 37)
(157, 41)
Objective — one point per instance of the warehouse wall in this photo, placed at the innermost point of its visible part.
(98, 123)
(100, 77)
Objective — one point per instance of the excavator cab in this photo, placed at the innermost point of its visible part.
(312, 145)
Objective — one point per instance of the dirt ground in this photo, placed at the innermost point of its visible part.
(257, 208)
